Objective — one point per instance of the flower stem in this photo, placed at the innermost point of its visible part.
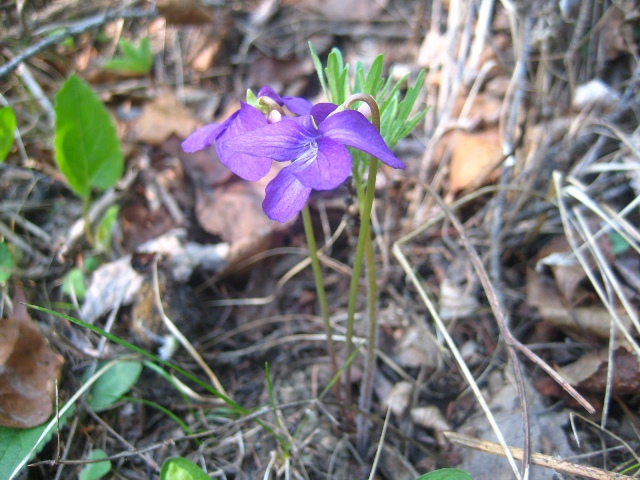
(364, 245)
(87, 222)
(322, 296)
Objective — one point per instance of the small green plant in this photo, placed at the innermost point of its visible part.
(115, 382)
(87, 148)
(446, 474)
(7, 262)
(97, 470)
(178, 468)
(132, 60)
(7, 129)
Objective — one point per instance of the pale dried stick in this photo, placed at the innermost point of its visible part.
(546, 461)
(178, 334)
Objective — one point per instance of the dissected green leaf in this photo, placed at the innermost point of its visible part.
(113, 384)
(7, 128)
(95, 471)
(178, 468)
(319, 70)
(446, 474)
(134, 60)
(6, 262)
(16, 443)
(74, 284)
(105, 228)
(86, 144)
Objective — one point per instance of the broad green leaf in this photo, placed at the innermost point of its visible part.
(16, 443)
(105, 229)
(74, 284)
(178, 468)
(95, 471)
(86, 144)
(6, 262)
(134, 60)
(113, 384)
(7, 128)
(446, 474)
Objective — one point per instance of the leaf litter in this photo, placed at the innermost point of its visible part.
(549, 251)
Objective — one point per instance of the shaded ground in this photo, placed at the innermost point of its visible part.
(530, 143)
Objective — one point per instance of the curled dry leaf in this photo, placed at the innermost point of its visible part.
(474, 158)
(399, 398)
(589, 372)
(430, 417)
(28, 372)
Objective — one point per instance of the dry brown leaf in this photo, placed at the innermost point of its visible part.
(184, 12)
(543, 294)
(589, 372)
(28, 372)
(474, 158)
(163, 117)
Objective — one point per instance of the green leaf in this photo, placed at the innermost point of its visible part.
(134, 60)
(178, 468)
(7, 129)
(618, 244)
(113, 384)
(337, 77)
(74, 284)
(105, 229)
(86, 144)
(6, 262)
(319, 70)
(95, 471)
(16, 443)
(446, 474)
(374, 81)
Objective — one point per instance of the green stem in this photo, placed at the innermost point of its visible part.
(365, 219)
(364, 404)
(87, 222)
(322, 296)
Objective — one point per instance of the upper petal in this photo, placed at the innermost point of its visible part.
(285, 140)
(321, 111)
(285, 196)
(352, 128)
(297, 105)
(204, 136)
(249, 167)
(329, 167)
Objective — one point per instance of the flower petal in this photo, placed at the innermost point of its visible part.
(321, 111)
(328, 168)
(285, 196)
(297, 105)
(249, 167)
(204, 136)
(352, 128)
(285, 140)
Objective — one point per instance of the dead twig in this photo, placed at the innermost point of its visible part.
(546, 461)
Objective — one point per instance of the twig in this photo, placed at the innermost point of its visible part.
(80, 27)
(546, 461)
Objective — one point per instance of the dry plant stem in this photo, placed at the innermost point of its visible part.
(365, 229)
(181, 338)
(322, 295)
(536, 458)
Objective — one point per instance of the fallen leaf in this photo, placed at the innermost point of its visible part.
(28, 371)
(589, 372)
(184, 12)
(474, 158)
(345, 10)
(543, 294)
(163, 117)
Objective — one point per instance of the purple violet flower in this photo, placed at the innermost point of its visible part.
(297, 105)
(246, 166)
(316, 145)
